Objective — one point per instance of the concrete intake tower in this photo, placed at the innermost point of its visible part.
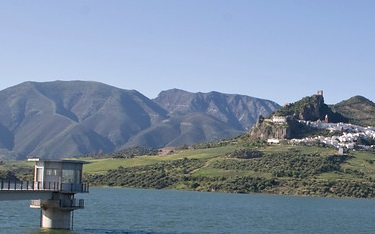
(52, 190)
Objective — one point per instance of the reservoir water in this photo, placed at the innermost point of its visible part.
(137, 211)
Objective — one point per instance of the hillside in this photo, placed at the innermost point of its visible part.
(68, 118)
(358, 110)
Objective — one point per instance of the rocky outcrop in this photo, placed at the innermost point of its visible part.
(310, 108)
(313, 110)
(267, 129)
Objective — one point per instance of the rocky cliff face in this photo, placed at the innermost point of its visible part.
(267, 129)
(313, 109)
(288, 130)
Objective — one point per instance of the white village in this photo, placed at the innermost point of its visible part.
(349, 135)
(345, 135)
(346, 138)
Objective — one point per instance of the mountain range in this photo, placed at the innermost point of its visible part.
(59, 119)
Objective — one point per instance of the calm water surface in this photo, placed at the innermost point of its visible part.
(118, 210)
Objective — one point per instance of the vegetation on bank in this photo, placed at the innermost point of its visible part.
(244, 168)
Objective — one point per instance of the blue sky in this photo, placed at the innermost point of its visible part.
(276, 49)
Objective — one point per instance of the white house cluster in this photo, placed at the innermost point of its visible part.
(349, 134)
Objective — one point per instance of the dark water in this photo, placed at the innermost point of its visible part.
(116, 210)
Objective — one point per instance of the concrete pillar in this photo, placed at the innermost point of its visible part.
(54, 218)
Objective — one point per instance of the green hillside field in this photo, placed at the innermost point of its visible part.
(243, 168)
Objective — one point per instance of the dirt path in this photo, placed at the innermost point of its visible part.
(206, 164)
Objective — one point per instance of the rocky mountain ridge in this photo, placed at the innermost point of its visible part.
(237, 110)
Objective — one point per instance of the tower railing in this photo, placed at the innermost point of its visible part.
(16, 185)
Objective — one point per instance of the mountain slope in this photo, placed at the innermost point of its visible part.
(184, 130)
(75, 117)
(68, 118)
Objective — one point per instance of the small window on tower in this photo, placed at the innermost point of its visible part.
(52, 172)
